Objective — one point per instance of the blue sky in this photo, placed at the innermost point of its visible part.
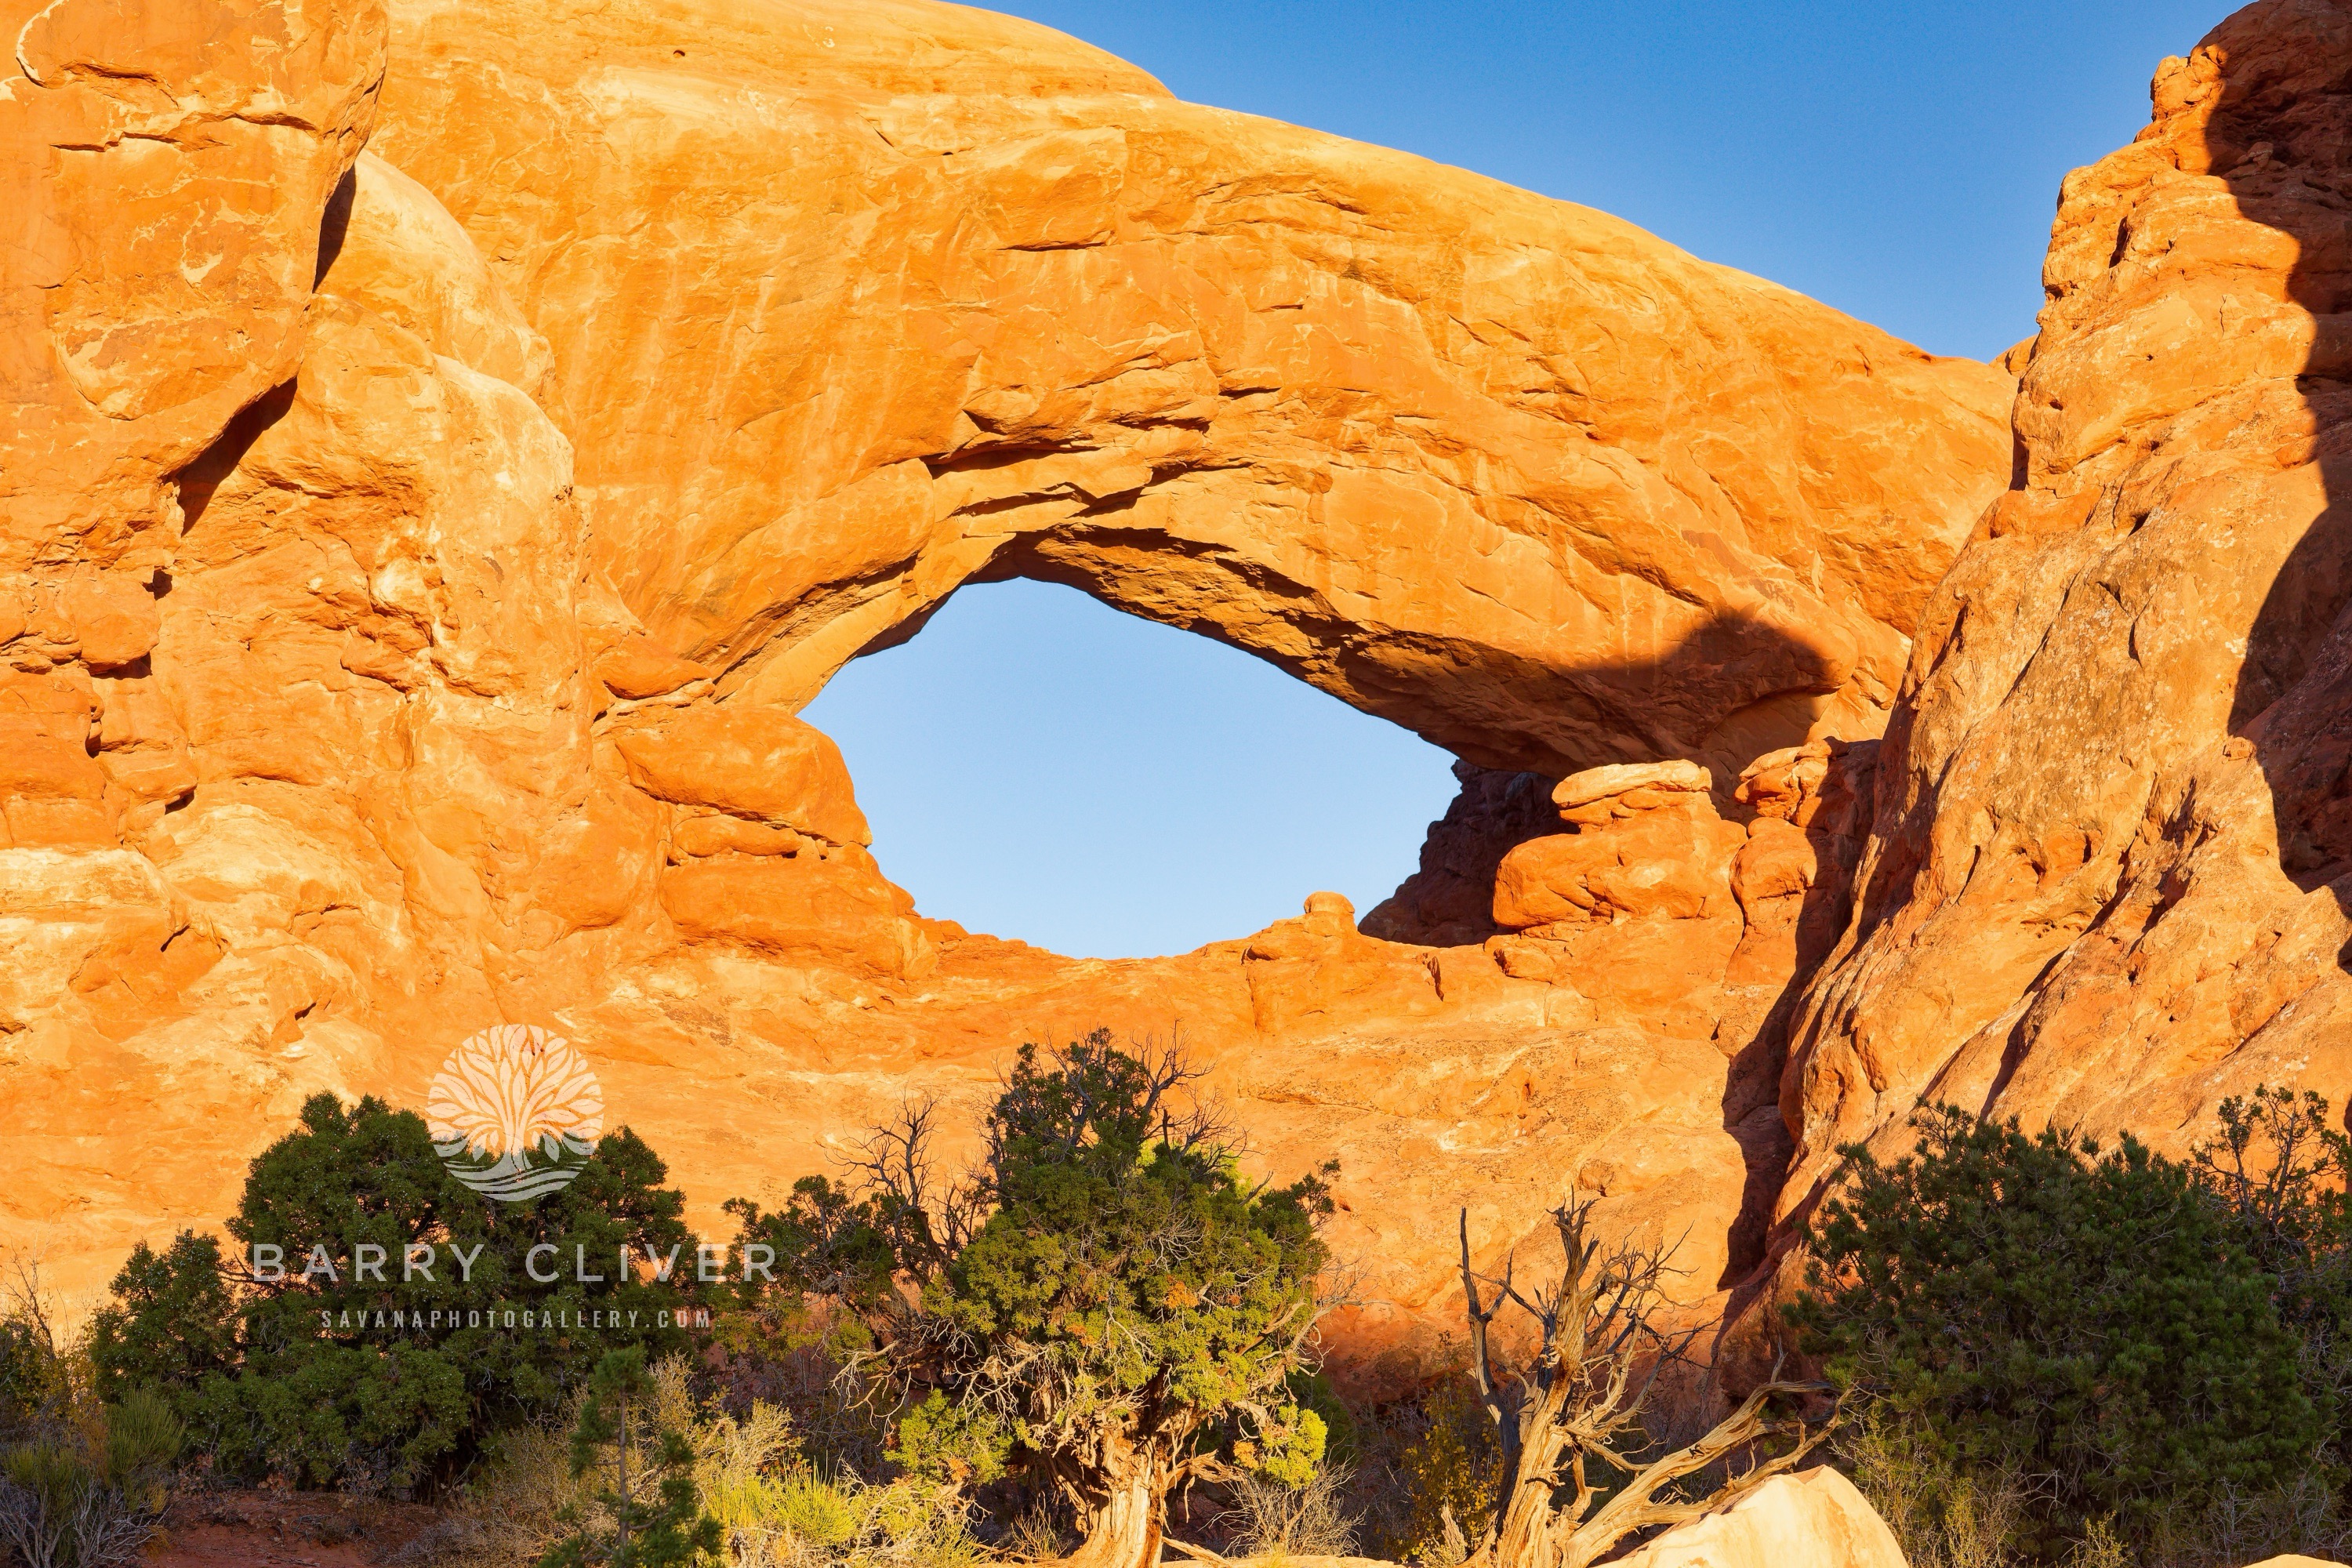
(1041, 767)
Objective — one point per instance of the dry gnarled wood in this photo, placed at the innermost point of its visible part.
(1580, 1398)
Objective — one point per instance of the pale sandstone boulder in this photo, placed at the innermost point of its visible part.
(1639, 785)
(1814, 1519)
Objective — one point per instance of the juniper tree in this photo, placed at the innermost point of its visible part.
(1105, 1301)
(1574, 1481)
(657, 1520)
(338, 1363)
(2090, 1319)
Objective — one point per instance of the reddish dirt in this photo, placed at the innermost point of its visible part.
(300, 1530)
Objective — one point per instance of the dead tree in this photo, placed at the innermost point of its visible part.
(1565, 1420)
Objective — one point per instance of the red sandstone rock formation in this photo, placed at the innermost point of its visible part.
(2111, 869)
(1450, 898)
(167, 166)
(415, 560)
(928, 298)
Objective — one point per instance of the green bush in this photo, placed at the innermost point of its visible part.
(36, 1381)
(92, 1492)
(2091, 1320)
(2284, 1175)
(652, 1519)
(331, 1378)
(750, 1475)
(1108, 1302)
(1943, 1516)
(1448, 1475)
(815, 1512)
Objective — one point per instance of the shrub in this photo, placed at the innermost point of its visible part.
(945, 1442)
(173, 1322)
(742, 1462)
(659, 1523)
(322, 1376)
(522, 1497)
(2284, 1175)
(2304, 1518)
(1267, 1518)
(1106, 1302)
(92, 1493)
(1448, 1476)
(746, 1467)
(815, 1512)
(36, 1381)
(1942, 1515)
(2090, 1320)
(1043, 1531)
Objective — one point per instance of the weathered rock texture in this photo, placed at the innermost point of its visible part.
(2113, 857)
(1815, 1517)
(419, 557)
(415, 560)
(1450, 898)
(166, 168)
(854, 304)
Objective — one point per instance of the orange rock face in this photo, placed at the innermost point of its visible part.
(167, 168)
(2112, 866)
(934, 298)
(415, 561)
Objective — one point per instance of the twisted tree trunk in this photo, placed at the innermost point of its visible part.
(1578, 1402)
(1123, 1530)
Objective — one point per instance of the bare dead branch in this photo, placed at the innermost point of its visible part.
(1578, 1403)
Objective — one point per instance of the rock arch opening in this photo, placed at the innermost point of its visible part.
(1038, 766)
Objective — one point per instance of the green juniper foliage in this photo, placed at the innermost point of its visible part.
(2285, 1176)
(2093, 1321)
(657, 1520)
(307, 1376)
(25, 1380)
(36, 1386)
(1106, 1302)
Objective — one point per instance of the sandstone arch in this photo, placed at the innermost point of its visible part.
(642, 388)
(840, 326)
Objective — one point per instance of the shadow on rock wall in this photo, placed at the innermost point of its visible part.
(2110, 879)
(2283, 147)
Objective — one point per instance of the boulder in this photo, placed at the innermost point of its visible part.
(1814, 1518)
(749, 761)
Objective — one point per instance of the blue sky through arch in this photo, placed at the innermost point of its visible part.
(1037, 764)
